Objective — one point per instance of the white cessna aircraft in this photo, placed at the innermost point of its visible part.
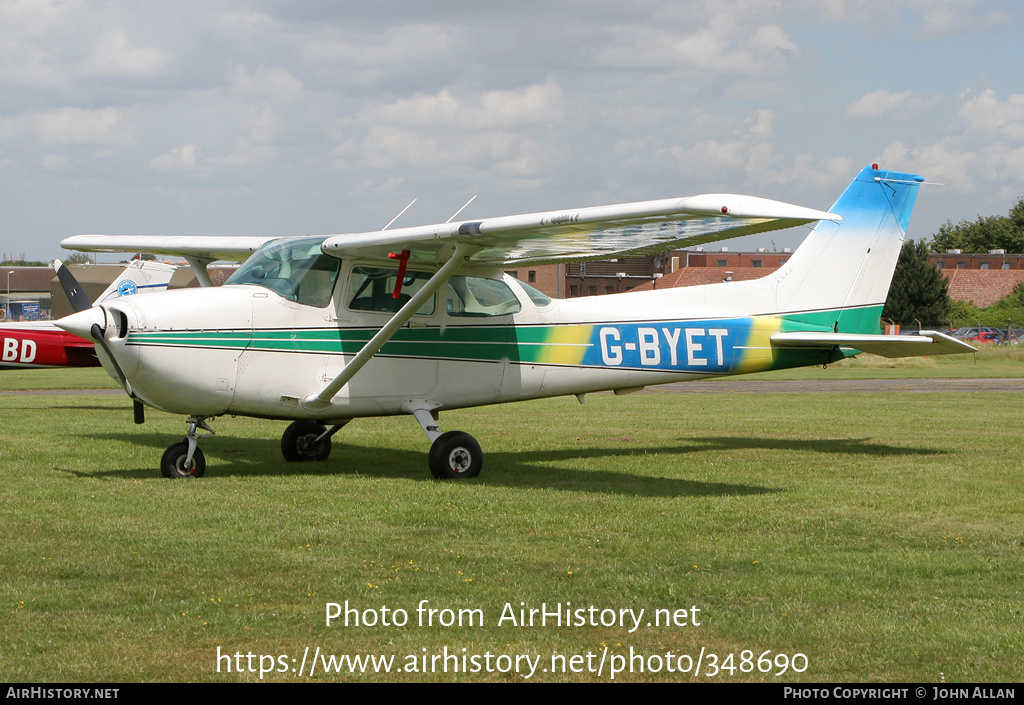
(321, 330)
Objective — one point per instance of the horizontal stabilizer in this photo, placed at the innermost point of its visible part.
(927, 342)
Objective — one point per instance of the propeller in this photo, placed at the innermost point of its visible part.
(74, 291)
(90, 322)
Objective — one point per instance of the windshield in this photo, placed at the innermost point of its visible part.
(295, 269)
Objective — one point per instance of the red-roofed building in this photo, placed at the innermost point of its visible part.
(981, 278)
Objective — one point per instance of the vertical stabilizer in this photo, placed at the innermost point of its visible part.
(139, 277)
(847, 266)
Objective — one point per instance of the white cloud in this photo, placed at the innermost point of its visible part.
(986, 147)
(56, 162)
(748, 149)
(272, 83)
(932, 18)
(956, 17)
(376, 186)
(368, 54)
(69, 126)
(183, 157)
(508, 134)
(884, 103)
(822, 172)
(751, 156)
(729, 44)
(538, 104)
(987, 114)
(116, 56)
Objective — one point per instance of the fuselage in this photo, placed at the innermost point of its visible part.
(42, 344)
(486, 338)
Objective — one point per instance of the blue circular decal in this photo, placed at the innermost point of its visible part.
(126, 288)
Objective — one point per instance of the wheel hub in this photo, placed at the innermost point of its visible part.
(459, 460)
(307, 445)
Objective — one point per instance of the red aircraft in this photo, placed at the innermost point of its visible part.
(42, 344)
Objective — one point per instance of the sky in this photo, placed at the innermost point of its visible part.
(274, 117)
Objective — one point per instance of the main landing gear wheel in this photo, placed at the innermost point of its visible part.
(173, 463)
(455, 455)
(299, 444)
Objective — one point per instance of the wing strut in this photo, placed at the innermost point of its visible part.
(198, 265)
(322, 401)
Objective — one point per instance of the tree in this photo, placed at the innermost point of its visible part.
(919, 292)
(77, 258)
(984, 234)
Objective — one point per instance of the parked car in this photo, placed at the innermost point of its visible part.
(1009, 337)
(971, 333)
(985, 337)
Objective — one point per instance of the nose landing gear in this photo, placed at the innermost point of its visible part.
(184, 458)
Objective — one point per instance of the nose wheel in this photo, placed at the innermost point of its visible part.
(184, 459)
(175, 463)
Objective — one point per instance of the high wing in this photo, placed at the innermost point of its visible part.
(926, 343)
(235, 249)
(586, 233)
(536, 238)
(199, 251)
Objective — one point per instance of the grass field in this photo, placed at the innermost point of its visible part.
(880, 536)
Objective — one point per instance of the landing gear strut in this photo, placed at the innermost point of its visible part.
(184, 458)
(453, 454)
(308, 440)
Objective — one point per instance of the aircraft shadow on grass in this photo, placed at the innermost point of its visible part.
(522, 469)
(853, 446)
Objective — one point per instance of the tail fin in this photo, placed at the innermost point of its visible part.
(840, 275)
(139, 277)
(74, 291)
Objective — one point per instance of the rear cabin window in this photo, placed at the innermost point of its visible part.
(539, 298)
(475, 297)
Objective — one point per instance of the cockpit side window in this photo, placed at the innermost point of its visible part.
(373, 289)
(297, 270)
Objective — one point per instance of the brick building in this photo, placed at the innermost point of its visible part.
(980, 278)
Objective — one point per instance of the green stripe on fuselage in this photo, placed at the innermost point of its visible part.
(536, 344)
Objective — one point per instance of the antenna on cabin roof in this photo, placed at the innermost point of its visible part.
(460, 210)
(399, 215)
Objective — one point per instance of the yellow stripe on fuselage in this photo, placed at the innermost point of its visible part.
(566, 345)
(759, 354)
